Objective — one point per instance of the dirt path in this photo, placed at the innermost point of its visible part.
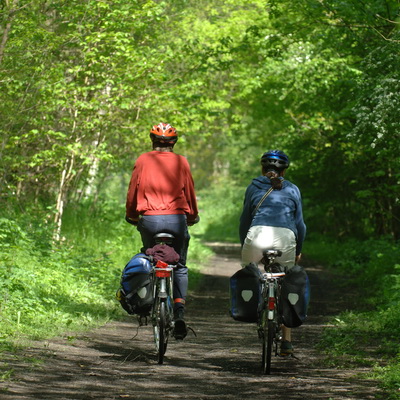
(223, 362)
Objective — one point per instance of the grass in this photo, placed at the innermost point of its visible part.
(367, 337)
(48, 289)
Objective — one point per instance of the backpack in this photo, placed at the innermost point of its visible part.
(245, 293)
(136, 288)
(295, 297)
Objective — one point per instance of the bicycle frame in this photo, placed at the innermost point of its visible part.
(162, 310)
(272, 292)
(269, 324)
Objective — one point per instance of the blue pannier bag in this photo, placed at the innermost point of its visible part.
(295, 297)
(245, 293)
(136, 291)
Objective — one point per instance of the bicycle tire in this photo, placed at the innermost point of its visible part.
(262, 332)
(264, 337)
(268, 341)
(160, 331)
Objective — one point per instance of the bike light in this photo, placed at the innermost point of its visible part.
(163, 273)
(162, 270)
(271, 303)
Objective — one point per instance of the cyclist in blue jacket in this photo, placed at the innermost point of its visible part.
(277, 224)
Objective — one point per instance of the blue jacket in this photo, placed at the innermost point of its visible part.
(282, 208)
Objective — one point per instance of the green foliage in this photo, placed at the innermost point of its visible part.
(46, 290)
(363, 337)
(220, 209)
(390, 375)
(77, 92)
(82, 82)
(376, 132)
(49, 288)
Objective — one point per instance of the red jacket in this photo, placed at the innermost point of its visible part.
(161, 183)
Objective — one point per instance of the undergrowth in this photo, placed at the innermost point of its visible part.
(49, 288)
(367, 337)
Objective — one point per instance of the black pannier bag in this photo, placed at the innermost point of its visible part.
(245, 293)
(136, 291)
(295, 297)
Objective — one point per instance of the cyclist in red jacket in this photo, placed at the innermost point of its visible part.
(161, 198)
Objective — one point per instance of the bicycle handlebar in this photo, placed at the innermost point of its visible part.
(272, 253)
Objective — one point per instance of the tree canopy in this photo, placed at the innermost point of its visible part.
(83, 81)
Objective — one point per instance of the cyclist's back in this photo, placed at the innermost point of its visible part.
(273, 219)
(278, 222)
(161, 198)
(161, 184)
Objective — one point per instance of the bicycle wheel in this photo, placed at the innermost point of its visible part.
(264, 336)
(268, 341)
(160, 331)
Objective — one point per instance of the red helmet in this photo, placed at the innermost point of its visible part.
(164, 133)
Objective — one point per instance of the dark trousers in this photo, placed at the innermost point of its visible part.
(149, 225)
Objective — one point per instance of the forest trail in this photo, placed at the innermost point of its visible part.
(118, 361)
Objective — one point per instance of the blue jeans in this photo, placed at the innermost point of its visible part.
(176, 225)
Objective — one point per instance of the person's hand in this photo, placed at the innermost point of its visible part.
(195, 221)
(297, 259)
(131, 221)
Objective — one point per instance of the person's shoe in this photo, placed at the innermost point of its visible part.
(286, 348)
(180, 328)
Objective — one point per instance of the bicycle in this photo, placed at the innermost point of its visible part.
(162, 313)
(270, 320)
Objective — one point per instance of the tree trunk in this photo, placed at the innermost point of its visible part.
(66, 175)
(11, 12)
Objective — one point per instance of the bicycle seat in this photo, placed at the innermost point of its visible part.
(163, 237)
(270, 265)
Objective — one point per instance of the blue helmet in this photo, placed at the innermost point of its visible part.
(275, 159)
